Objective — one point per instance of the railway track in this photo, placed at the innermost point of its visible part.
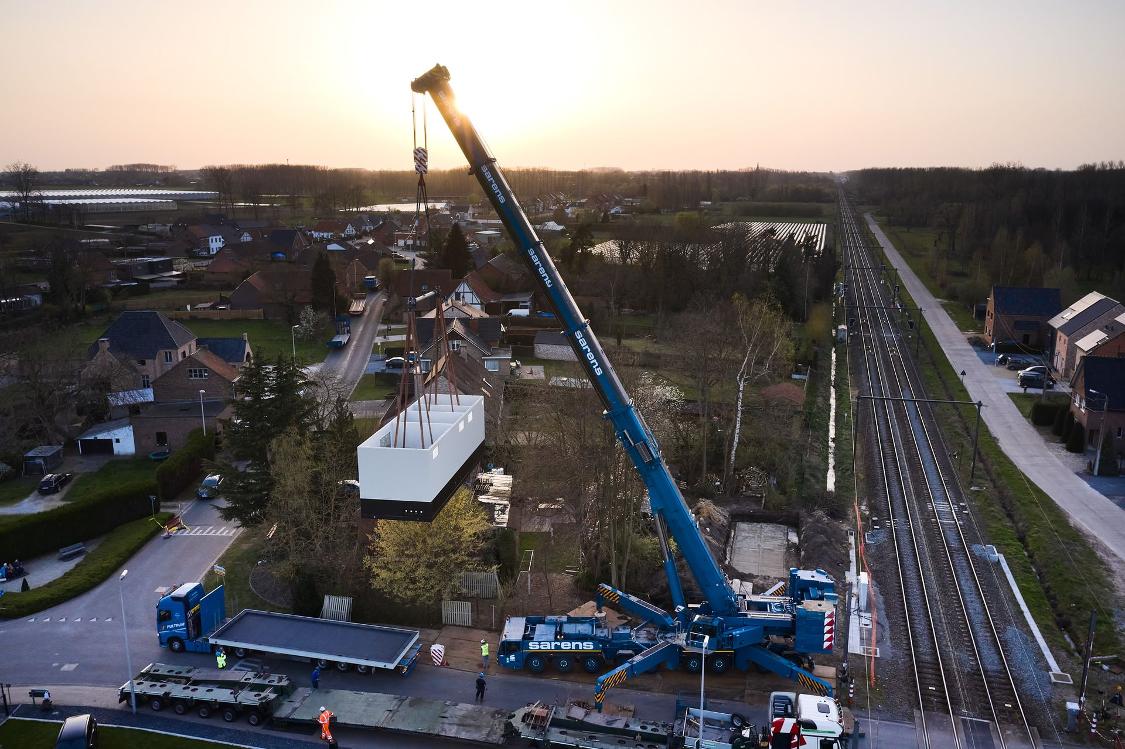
(960, 671)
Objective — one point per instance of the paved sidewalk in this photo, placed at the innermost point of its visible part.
(1088, 510)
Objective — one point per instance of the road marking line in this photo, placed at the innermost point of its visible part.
(46, 619)
(77, 618)
(93, 618)
(62, 619)
(31, 620)
(69, 667)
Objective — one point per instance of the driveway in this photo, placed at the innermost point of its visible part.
(80, 641)
(1094, 513)
(348, 364)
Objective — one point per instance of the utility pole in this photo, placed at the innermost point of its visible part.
(1086, 659)
(1101, 428)
(976, 434)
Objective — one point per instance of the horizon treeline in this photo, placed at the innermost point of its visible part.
(349, 189)
(1010, 226)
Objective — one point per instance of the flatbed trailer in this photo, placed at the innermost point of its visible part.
(415, 716)
(357, 306)
(339, 341)
(207, 692)
(326, 642)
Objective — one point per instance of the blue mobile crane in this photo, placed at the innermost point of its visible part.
(726, 626)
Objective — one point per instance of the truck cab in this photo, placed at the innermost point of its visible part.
(815, 719)
(187, 615)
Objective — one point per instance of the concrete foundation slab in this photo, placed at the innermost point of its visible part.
(760, 549)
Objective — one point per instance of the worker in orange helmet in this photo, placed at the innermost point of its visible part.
(324, 719)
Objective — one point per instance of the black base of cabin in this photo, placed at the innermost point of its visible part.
(397, 509)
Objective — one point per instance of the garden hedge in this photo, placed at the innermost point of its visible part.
(1076, 440)
(27, 536)
(1044, 413)
(183, 466)
(99, 564)
(1060, 422)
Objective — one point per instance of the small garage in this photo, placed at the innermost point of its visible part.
(40, 461)
(110, 438)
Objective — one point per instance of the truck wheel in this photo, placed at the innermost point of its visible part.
(361, 668)
(691, 663)
(204, 711)
(737, 720)
(176, 645)
(179, 707)
(241, 652)
(591, 664)
(718, 664)
(564, 664)
(341, 666)
(254, 718)
(229, 715)
(156, 704)
(536, 664)
(321, 663)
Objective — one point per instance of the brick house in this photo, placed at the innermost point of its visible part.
(1107, 340)
(1020, 314)
(477, 338)
(278, 292)
(1098, 398)
(1076, 322)
(155, 368)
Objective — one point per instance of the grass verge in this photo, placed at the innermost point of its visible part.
(916, 247)
(375, 387)
(112, 474)
(240, 558)
(34, 734)
(1024, 401)
(14, 490)
(1059, 573)
(121, 543)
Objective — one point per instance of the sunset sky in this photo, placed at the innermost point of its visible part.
(795, 85)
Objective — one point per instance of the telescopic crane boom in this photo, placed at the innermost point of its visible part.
(668, 506)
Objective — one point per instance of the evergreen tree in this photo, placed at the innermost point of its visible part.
(271, 399)
(323, 283)
(455, 253)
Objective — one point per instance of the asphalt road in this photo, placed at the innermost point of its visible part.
(82, 642)
(347, 365)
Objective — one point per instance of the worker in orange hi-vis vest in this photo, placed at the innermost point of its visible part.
(324, 719)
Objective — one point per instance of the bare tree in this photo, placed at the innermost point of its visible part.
(221, 180)
(766, 340)
(23, 179)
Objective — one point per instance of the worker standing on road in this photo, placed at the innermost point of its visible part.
(221, 658)
(480, 687)
(325, 720)
(483, 654)
(316, 677)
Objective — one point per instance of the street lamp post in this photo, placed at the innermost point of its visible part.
(293, 340)
(125, 633)
(702, 676)
(1101, 429)
(202, 413)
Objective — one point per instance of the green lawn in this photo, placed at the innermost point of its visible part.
(111, 474)
(1024, 401)
(268, 338)
(915, 246)
(376, 387)
(14, 490)
(18, 733)
(238, 560)
(554, 555)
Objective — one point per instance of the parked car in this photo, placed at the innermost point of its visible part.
(395, 362)
(54, 482)
(1034, 380)
(1038, 369)
(78, 732)
(210, 487)
(1020, 362)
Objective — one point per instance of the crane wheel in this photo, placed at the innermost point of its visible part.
(591, 664)
(536, 664)
(691, 663)
(718, 664)
(564, 664)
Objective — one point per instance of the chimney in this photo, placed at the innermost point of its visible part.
(103, 345)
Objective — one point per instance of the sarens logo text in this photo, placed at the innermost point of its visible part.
(585, 346)
(561, 646)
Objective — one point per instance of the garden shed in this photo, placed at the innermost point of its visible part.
(41, 460)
